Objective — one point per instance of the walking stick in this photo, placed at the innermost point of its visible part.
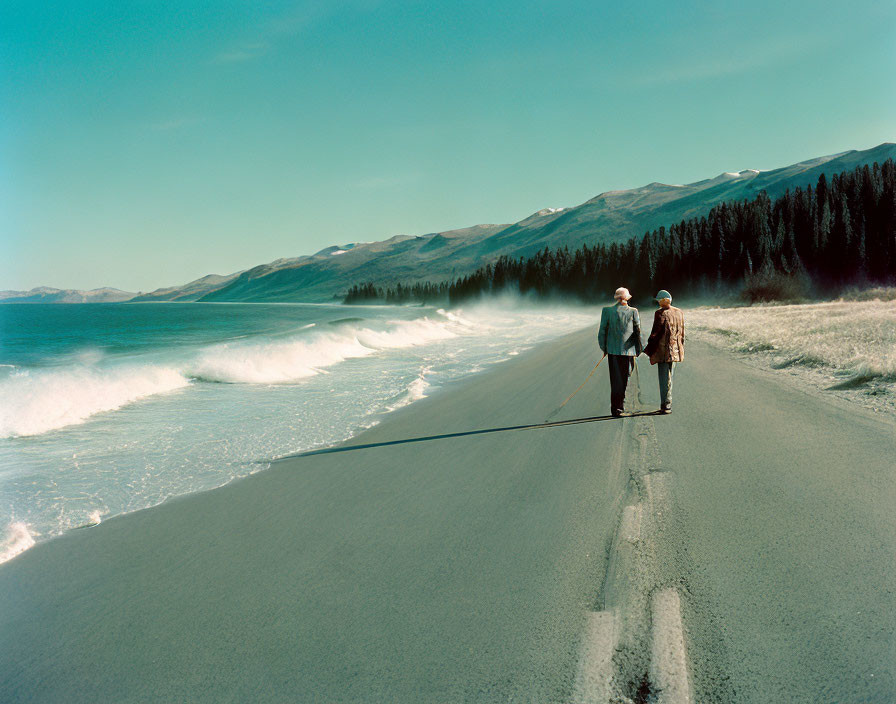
(560, 407)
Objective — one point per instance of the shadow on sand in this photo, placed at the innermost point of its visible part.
(445, 436)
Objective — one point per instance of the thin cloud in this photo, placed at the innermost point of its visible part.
(242, 53)
(174, 123)
(286, 24)
(295, 21)
(377, 183)
(735, 62)
(268, 33)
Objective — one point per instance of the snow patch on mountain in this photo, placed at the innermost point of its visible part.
(739, 174)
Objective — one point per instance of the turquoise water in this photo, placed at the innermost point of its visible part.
(110, 408)
(50, 334)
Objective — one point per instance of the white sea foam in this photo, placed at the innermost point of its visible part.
(415, 391)
(274, 362)
(278, 362)
(456, 317)
(210, 433)
(36, 401)
(16, 539)
(408, 333)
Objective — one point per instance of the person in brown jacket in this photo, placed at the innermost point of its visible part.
(665, 346)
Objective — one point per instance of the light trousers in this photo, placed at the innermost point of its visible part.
(665, 371)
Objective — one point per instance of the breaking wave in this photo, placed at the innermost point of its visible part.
(37, 401)
(273, 362)
(414, 392)
(16, 539)
(284, 361)
(41, 400)
(280, 385)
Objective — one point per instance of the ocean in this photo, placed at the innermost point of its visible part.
(107, 409)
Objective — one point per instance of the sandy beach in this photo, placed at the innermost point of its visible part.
(738, 550)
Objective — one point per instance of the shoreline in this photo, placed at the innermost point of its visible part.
(489, 567)
(807, 381)
(21, 539)
(471, 530)
(107, 434)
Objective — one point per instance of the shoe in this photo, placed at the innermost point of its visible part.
(666, 410)
(621, 414)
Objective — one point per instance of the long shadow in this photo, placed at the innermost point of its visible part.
(445, 436)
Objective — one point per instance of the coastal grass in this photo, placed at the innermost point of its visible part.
(847, 337)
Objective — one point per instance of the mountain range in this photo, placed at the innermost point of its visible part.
(44, 294)
(609, 217)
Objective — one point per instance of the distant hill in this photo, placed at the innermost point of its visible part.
(188, 292)
(609, 217)
(56, 295)
(332, 270)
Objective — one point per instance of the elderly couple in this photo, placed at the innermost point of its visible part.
(619, 338)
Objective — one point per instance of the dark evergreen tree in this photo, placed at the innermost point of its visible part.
(840, 233)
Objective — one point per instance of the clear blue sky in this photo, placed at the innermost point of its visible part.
(144, 144)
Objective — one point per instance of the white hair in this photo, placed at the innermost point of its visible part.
(622, 294)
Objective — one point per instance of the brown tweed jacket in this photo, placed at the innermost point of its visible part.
(666, 341)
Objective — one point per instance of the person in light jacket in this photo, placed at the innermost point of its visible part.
(619, 337)
(665, 346)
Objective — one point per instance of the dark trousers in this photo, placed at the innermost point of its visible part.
(620, 366)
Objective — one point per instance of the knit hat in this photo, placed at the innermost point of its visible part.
(663, 293)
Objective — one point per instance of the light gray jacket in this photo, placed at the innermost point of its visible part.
(620, 331)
